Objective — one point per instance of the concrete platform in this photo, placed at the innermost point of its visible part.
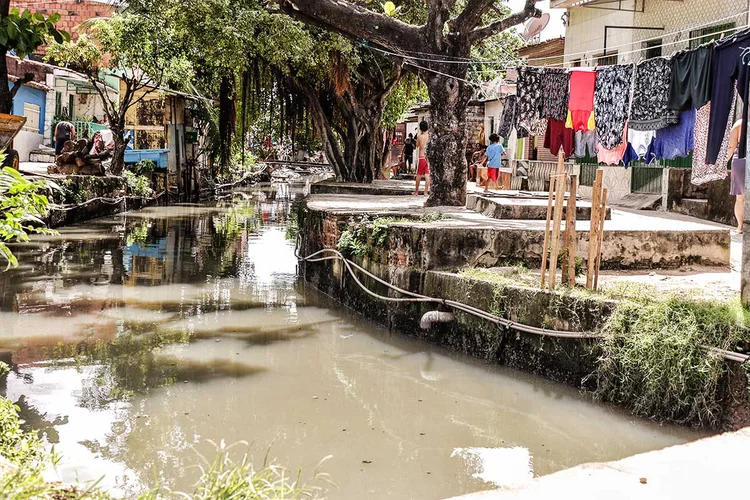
(377, 188)
(632, 239)
(522, 205)
(715, 467)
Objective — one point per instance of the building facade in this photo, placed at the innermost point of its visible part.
(72, 12)
(601, 32)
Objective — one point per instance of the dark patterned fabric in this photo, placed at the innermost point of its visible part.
(530, 97)
(556, 92)
(650, 111)
(611, 103)
(508, 121)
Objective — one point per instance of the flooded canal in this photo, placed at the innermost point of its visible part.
(137, 340)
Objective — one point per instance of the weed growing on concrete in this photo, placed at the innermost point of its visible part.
(360, 237)
(653, 357)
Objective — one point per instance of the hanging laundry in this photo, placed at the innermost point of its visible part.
(704, 172)
(676, 141)
(692, 78)
(508, 120)
(530, 98)
(641, 141)
(611, 103)
(615, 155)
(537, 128)
(586, 144)
(731, 60)
(651, 96)
(630, 156)
(555, 86)
(582, 84)
(559, 136)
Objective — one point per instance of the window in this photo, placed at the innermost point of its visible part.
(705, 35)
(492, 124)
(576, 63)
(33, 113)
(653, 48)
(609, 60)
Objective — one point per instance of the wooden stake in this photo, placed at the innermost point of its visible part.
(552, 180)
(557, 223)
(602, 218)
(570, 231)
(594, 228)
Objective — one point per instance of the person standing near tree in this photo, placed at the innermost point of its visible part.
(64, 132)
(423, 169)
(408, 152)
(494, 155)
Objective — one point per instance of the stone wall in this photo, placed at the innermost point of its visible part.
(709, 202)
(73, 12)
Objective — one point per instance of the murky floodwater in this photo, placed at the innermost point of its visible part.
(137, 340)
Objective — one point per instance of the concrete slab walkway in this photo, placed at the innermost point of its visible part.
(716, 467)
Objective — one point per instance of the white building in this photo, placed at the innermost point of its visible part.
(624, 31)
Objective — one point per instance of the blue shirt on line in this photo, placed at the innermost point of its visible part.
(495, 155)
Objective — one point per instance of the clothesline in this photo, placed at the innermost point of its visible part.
(473, 60)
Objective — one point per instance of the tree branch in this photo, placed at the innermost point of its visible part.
(27, 77)
(500, 25)
(355, 21)
(471, 16)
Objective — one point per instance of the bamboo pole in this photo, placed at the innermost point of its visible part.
(570, 231)
(552, 180)
(557, 221)
(602, 218)
(593, 229)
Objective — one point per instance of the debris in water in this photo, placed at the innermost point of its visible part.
(421, 433)
(366, 461)
(644, 480)
(315, 397)
(218, 340)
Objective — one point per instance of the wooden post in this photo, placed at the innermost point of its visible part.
(594, 227)
(557, 224)
(570, 231)
(600, 229)
(552, 180)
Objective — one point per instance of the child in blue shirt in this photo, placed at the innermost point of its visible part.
(494, 154)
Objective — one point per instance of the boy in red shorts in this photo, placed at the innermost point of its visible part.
(423, 170)
(494, 153)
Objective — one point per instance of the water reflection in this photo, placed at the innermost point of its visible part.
(137, 338)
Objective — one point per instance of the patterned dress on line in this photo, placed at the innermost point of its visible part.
(703, 173)
(611, 103)
(530, 100)
(649, 109)
(508, 121)
(556, 91)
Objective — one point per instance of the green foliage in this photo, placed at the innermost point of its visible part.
(408, 92)
(653, 357)
(24, 32)
(17, 446)
(22, 205)
(138, 185)
(226, 479)
(360, 237)
(144, 167)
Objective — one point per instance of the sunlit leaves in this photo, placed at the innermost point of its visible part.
(24, 32)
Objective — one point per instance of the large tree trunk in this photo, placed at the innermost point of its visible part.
(6, 98)
(118, 153)
(446, 151)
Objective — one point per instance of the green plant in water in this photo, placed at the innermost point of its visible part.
(653, 357)
(139, 185)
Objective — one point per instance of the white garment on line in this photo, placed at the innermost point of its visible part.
(641, 140)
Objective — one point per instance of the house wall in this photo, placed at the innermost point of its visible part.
(493, 113)
(27, 140)
(73, 12)
(86, 105)
(585, 31)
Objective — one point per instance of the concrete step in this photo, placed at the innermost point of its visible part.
(692, 207)
(639, 201)
(517, 205)
(42, 156)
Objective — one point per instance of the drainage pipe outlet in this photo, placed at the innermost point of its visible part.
(432, 317)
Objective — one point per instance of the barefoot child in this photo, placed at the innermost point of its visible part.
(423, 170)
(494, 155)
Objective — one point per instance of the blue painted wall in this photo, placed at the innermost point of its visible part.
(31, 96)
